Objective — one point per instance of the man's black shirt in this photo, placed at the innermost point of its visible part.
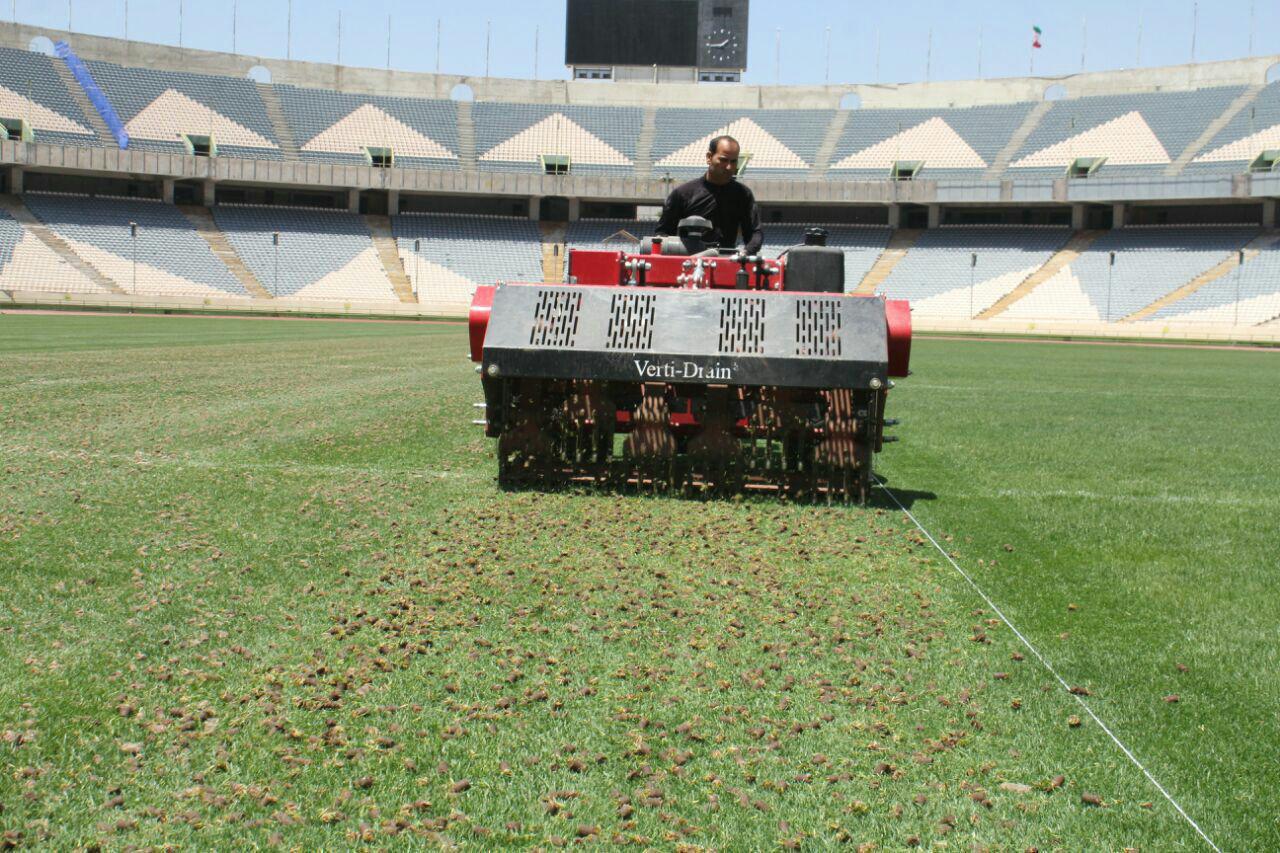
(731, 208)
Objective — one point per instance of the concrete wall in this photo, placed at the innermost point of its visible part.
(66, 159)
(384, 82)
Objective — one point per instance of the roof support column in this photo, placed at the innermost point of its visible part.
(575, 210)
(15, 180)
(935, 215)
(895, 216)
(166, 190)
(1077, 217)
(208, 195)
(535, 207)
(393, 202)
(1117, 214)
(1268, 213)
(353, 200)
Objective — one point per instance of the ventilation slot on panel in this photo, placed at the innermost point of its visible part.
(555, 319)
(630, 321)
(818, 327)
(741, 325)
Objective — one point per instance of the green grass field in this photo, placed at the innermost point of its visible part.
(259, 587)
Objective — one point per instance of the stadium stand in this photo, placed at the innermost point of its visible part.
(30, 89)
(1248, 296)
(27, 264)
(1149, 262)
(171, 257)
(1199, 141)
(337, 127)
(1138, 134)
(319, 254)
(960, 271)
(781, 143)
(457, 252)
(1250, 132)
(951, 143)
(159, 107)
(598, 140)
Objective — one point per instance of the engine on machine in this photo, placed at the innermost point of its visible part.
(682, 366)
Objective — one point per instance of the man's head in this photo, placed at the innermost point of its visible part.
(722, 160)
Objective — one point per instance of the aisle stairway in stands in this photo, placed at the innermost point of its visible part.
(644, 143)
(899, 244)
(553, 249)
(15, 208)
(1064, 256)
(105, 136)
(389, 255)
(222, 250)
(1228, 265)
(466, 136)
(1014, 145)
(284, 133)
(834, 130)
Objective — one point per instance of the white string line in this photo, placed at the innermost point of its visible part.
(1083, 704)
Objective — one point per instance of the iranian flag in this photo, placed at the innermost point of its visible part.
(1036, 32)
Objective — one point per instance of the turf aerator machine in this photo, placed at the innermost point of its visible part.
(689, 368)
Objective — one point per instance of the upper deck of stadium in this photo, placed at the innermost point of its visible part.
(1186, 132)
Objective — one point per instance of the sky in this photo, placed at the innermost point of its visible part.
(788, 39)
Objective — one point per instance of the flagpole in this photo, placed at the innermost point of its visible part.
(1195, 28)
(1251, 5)
(1138, 61)
(1084, 40)
(928, 57)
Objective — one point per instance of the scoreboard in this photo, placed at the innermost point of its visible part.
(668, 33)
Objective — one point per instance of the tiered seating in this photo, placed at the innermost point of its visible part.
(172, 258)
(1150, 262)
(158, 107)
(30, 89)
(28, 264)
(320, 255)
(598, 140)
(1248, 297)
(336, 127)
(936, 273)
(1138, 134)
(951, 142)
(457, 252)
(1251, 131)
(782, 143)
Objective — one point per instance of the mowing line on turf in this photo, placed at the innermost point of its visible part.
(1048, 666)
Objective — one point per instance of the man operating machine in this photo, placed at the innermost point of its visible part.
(718, 197)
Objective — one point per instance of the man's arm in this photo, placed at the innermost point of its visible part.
(752, 233)
(672, 213)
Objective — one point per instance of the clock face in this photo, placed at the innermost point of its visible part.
(722, 39)
(721, 47)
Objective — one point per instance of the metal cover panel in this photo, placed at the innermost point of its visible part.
(657, 334)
